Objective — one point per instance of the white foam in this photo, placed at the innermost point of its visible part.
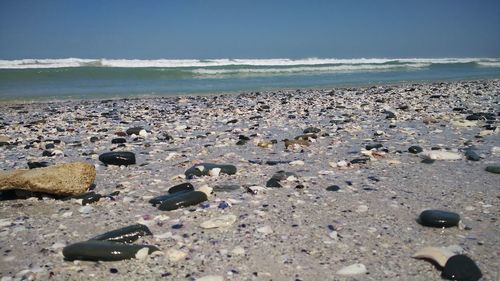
(186, 63)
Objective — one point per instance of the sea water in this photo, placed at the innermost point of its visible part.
(73, 78)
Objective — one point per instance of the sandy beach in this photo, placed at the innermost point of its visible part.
(350, 194)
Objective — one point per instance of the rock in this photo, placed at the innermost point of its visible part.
(87, 198)
(461, 268)
(333, 188)
(265, 230)
(373, 146)
(162, 198)
(493, 169)
(312, 130)
(415, 149)
(274, 181)
(126, 234)
(134, 131)
(481, 116)
(439, 218)
(204, 170)
(118, 158)
(64, 179)
(353, 269)
(118, 140)
(181, 187)
(359, 160)
(222, 221)
(182, 199)
(98, 250)
(34, 165)
(440, 155)
(472, 155)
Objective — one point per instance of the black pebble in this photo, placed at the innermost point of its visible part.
(438, 218)
(461, 268)
(113, 270)
(333, 188)
(181, 187)
(118, 158)
(118, 140)
(415, 149)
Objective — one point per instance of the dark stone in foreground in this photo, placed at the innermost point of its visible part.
(34, 165)
(415, 149)
(471, 155)
(195, 171)
(97, 250)
(181, 187)
(493, 169)
(438, 218)
(126, 234)
(461, 268)
(118, 158)
(182, 199)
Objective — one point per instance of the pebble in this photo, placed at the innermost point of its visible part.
(181, 188)
(221, 221)
(461, 268)
(204, 169)
(126, 234)
(210, 278)
(175, 255)
(333, 188)
(265, 230)
(440, 155)
(415, 149)
(118, 158)
(182, 199)
(353, 269)
(493, 169)
(472, 155)
(85, 209)
(439, 218)
(97, 250)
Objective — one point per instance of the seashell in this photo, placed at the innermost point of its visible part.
(438, 255)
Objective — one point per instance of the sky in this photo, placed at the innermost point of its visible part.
(202, 29)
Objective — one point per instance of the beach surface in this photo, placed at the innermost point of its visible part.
(351, 192)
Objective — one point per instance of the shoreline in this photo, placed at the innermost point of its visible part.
(236, 93)
(305, 230)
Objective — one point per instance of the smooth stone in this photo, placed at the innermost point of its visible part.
(34, 165)
(98, 250)
(160, 199)
(440, 155)
(439, 218)
(480, 116)
(493, 169)
(211, 278)
(181, 187)
(126, 234)
(118, 158)
(471, 155)
(353, 269)
(203, 169)
(119, 140)
(87, 198)
(183, 199)
(461, 268)
(333, 188)
(274, 181)
(359, 160)
(221, 221)
(415, 149)
(373, 146)
(134, 131)
(312, 130)
(64, 179)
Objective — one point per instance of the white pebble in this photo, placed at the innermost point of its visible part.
(297, 163)
(440, 155)
(142, 253)
(176, 255)
(211, 278)
(222, 221)
(214, 172)
(265, 229)
(362, 209)
(353, 269)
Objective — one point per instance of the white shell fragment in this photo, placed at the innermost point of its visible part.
(440, 155)
(142, 253)
(214, 172)
(206, 189)
(353, 269)
(439, 255)
(265, 229)
(222, 221)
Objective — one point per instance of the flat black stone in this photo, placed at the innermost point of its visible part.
(225, 169)
(493, 169)
(333, 188)
(119, 140)
(48, 153)
(118, 158)
(126, 234)
(183, 199)
(312, 130)
(359, 160)
(181, 187)
(373, 146)
(472, 155)
(415, 149)
(160, 199)
(461, 268)
(97, 250)
(34, 165)
(438, 218)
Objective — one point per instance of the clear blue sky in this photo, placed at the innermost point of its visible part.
(144, 29)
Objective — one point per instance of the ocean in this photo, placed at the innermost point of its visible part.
(74, 78)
